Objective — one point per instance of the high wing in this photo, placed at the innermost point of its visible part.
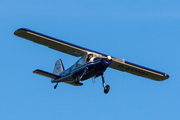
(62, 46)
(53, 43)
(138, 70)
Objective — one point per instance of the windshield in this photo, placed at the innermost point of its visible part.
(80, 62)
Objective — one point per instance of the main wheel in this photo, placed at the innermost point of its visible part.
(106, 89)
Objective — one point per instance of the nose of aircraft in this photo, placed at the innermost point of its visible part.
(109, 58)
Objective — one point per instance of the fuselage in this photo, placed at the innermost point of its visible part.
(94, 69)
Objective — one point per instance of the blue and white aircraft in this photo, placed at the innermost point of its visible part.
(91, 64)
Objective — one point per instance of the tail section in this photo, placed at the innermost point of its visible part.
(58, 68)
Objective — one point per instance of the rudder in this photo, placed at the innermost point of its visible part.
(58, 68)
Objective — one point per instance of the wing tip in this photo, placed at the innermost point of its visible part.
(167, 76)
(164, 77)
(19, 31)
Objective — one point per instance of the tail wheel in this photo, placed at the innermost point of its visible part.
(106, 89)
(55, 86)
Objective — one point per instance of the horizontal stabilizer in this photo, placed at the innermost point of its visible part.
(46, 74)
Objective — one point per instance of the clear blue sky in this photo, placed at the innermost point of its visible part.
(145, 32)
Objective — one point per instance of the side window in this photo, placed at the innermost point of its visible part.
(79, 62)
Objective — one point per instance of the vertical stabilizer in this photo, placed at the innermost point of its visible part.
(58, 68)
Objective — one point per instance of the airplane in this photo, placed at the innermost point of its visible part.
(91, 63)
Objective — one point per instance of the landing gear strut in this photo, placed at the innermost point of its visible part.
(55, 86)
(83, 72)
(106, 87)
(78, 78)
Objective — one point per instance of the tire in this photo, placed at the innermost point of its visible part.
(106, 89)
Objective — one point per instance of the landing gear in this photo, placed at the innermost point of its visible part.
(55, 86)
(84, 72)
(78, 78)
(106, 87)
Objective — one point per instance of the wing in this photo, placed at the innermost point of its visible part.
(53, 43)
(138, 70)
(78, 51)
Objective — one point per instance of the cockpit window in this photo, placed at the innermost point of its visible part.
(80, 62)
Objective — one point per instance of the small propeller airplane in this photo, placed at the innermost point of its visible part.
(91, 64)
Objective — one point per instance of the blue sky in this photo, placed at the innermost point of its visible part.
(142, 32)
